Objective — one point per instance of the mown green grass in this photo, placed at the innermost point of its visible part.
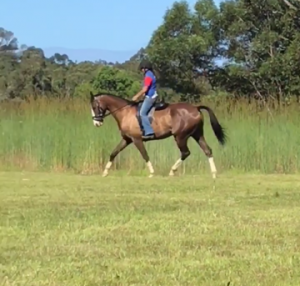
(64, 229)
(59, 135)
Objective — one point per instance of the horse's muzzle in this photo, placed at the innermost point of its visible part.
(97, 123)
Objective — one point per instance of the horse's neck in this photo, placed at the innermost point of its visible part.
(114, 105)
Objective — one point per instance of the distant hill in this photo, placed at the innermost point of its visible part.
(90, 54)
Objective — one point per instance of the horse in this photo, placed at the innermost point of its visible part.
(180, 120)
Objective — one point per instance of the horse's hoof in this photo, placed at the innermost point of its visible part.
(150, 176)
(172, 173)
(104, 175)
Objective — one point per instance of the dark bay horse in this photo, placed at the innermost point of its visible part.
(180, 120)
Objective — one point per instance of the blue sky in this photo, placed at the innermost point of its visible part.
(84, 29)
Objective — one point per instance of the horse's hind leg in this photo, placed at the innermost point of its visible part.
(199, 138)
(184, 150)
(121, 146)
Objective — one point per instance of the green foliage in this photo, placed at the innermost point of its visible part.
(110, 79)
(261, 39)
(26, 72)
(83, 90)
(257, 40)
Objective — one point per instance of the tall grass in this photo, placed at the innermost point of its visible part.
(59, 135)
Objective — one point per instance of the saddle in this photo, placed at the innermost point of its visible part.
(159, 105)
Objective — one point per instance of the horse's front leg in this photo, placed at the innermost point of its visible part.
(121, 146)
(141, 147)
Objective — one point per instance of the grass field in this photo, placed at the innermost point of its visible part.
(64, 229)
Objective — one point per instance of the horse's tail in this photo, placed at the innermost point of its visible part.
(216, 126)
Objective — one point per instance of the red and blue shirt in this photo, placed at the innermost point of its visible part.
(150, 82)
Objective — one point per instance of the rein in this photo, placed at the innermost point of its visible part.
(111, 112)
(98, 118)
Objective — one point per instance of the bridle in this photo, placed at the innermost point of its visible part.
(101, 112)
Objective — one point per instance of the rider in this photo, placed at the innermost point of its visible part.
(149, 91)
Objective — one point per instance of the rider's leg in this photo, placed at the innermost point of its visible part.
(145, 109)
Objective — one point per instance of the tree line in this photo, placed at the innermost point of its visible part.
(243, 48)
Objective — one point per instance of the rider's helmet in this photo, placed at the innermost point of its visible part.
(145, 64)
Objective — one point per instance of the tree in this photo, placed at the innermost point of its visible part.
(8, 42)
(26, 71)
(185, 45)
(59, 59)
(111, 79)
(261, 39)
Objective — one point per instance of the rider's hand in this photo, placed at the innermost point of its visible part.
(135, 98)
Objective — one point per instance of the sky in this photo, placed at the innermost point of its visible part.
(111, 30)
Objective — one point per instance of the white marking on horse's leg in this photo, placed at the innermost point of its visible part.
(212, 167)
(151, 170)
(107, 167)
(175, 167)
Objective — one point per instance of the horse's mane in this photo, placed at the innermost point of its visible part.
(116, 96)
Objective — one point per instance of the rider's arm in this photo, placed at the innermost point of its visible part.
(147, 83)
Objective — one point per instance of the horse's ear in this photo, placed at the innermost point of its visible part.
(92, 96)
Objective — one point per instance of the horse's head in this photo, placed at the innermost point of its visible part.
(98, 110)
